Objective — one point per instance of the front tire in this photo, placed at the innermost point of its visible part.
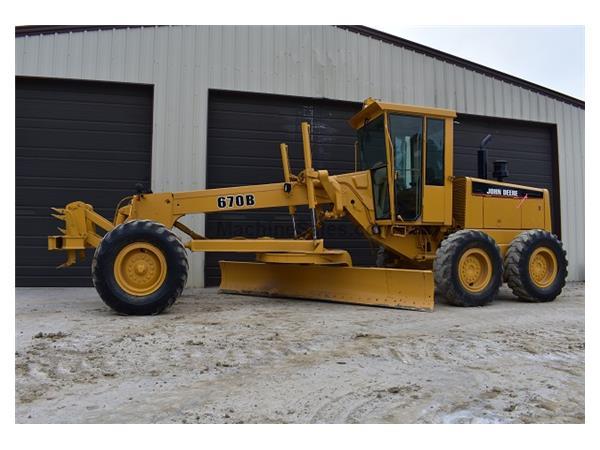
(139, 268)
(536, 266)
(468, 268)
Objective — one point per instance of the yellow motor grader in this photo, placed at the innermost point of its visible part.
(458, 236)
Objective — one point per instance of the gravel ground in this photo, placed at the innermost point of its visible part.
(217, 358)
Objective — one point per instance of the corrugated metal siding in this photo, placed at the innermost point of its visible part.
(183, 62)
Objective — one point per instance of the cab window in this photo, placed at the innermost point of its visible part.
(434, 160)
(371, 141)
(406, 133)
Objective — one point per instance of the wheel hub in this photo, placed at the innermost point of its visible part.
(140, 269)
(543, 267)
(475, 270)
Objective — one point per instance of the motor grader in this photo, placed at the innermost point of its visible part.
(460, 237)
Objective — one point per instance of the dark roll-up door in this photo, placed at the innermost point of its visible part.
(75, 140)
(529, 148)
(244, 133)
(245, 129)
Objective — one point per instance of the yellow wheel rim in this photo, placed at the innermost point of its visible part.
(474, 270)
(543, 267)
(140, 269)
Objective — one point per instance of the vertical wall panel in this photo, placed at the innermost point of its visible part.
(428, 82)
(450, 87)
(132, 53)
(479, 94)
(408, 77)
(386, 71)
(507, 99)
(525, 104)
(329, 63)
(516, 102)
(30, 52)
(470, 92)
(459, 80)
(532, 107)
(20, 56)
(396, 83)
(103, 54)
(318, 61)
(563, 161)
(60, 55)
(89, 56)
(44, 58)
(183, 63)
(117, 60)
(579, 133)
(75, 56)
(440, 83)
(419, 78)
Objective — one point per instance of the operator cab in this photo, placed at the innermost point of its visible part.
(408, 152)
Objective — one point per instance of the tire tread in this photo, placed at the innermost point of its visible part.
(133, 228)
(442, 267)
(514, 261)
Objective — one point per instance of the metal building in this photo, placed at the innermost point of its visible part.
(186, 107)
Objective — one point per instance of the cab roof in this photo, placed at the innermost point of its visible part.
(373, 108)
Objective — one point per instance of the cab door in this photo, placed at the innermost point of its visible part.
(435, 202)
(406, 135)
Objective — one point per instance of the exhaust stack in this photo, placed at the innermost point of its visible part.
(482, 157)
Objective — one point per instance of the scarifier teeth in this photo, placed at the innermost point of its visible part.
(71, 259)
(62, 230)
(58, 216)
(58, 210)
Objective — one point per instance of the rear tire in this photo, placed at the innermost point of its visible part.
(139, 268)
(536, 266)
(468, 268)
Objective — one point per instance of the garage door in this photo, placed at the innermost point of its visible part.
(527, 146)
(75, 140)
(244, 132)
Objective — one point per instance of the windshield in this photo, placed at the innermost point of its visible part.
(371, 142)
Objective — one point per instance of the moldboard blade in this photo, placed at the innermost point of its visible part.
(396, 288)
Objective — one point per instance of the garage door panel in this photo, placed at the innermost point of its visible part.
(121, 94)
(33, 188)
(500, 126)
(246, 102)
(32, 167)
(322, 159)
(474, 135)
(504, 151)
(58, 138)
(75, 140)
(75, 125)
(466, 164)
(259, 148)
(27, 198)
(98, 114)
(91, 155)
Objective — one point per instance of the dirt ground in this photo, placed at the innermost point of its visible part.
(235, 359)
